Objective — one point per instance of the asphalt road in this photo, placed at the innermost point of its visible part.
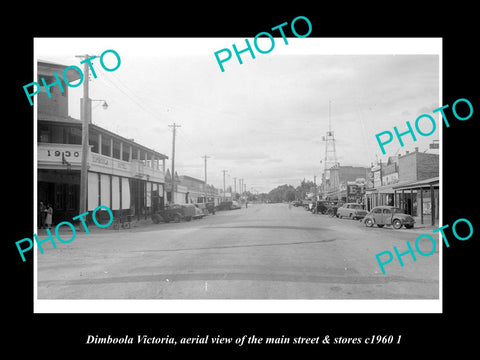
(266, 251)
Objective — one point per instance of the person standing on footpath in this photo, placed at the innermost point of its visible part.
(43, 213)
(48, 218)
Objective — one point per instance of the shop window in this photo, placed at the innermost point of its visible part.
(134, 154)
(57, 135)
(116, 149)
(142, 157)
(126, 152)
(74, 135)
(105, 146)
(93, 141)
(44, 134)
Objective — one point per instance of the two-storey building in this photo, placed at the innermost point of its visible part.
(122, 174)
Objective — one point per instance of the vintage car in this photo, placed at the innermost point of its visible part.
(322, 207)
(210, 207)
(352, 211)
(200, 211)
(174, 212)
(390, 216)
(228, 205)
(235, 205)
(224, 205)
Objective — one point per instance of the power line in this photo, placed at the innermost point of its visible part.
(132, 99)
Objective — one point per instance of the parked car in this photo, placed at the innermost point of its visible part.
(228, 205)
(235, 205)
(210, 207)
(322, 207)
(332, 209)
(174, 212)
(352, 211)
(297, 203)
(224, 205)
(390, 216)
(200, 211)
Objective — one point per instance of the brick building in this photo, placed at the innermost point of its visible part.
(409, 181)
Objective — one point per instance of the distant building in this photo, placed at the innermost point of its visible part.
(180, 195)
(196, 189)
(336, 187)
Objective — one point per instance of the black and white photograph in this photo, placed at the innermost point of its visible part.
(222, 179)
(264, 181)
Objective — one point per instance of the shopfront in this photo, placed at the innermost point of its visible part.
(126, 187)
(420, 199)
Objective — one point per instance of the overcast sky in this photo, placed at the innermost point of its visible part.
(262, 121)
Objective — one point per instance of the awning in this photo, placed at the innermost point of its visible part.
(418, 184)
(387, 189)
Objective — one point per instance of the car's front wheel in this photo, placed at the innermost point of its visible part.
(368, 222)
(397, 224)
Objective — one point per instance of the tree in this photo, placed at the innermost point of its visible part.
(282, 193)
(304, 188)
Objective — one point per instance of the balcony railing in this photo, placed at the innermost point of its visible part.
(68, 156)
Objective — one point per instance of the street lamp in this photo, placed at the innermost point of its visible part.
(104, 105)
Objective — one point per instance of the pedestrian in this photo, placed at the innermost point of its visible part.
(246, 203)
(48, 218)
(43, 213)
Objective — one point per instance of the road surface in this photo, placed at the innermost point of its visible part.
(265, 251)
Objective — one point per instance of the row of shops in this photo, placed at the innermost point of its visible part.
(418, 198)
(128, 187)
(409, 181)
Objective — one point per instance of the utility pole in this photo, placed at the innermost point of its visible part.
(235, 185)
(224, 171)
(85, 115)
(174, 126)
(205, 157)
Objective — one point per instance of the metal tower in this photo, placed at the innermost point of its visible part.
(330, 152)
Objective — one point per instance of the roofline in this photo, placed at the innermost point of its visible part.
(193, 178)
(162, 156)
(72, 121)
(71, 75)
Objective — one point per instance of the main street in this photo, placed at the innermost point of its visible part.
(265, 251)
